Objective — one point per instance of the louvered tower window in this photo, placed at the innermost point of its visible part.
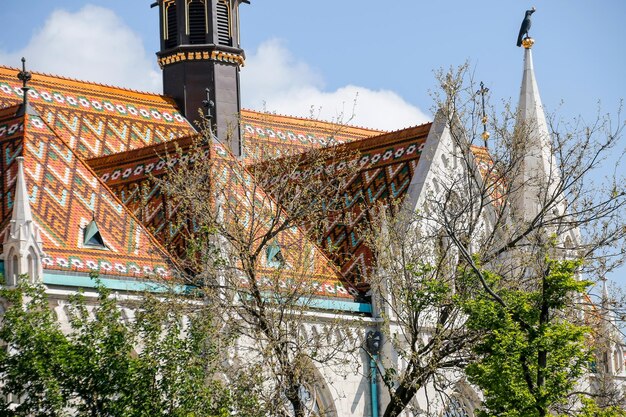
(171, 25)
(196, 10)
(223, 24)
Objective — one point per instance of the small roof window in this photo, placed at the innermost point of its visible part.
(275, 258)
(92, 236)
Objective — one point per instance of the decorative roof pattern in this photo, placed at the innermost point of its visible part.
(65, 196)
(11, 145)
(270, 135)
(250, 201)
(95, 119)
(122, 135)
(386, 166)
(129, 176)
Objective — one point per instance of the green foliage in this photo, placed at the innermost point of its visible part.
(532, 356)
(591, 409)
(93, 370)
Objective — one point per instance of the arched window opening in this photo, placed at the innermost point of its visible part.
(223, 24)
(313, 402)
(314, 396)
(14, 273)
(170, 29)
(30, 261)
(196, 21)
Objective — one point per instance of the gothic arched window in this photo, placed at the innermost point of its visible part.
(14, 272)
(30, 260)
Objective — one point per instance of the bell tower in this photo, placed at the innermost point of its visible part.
(200, 57)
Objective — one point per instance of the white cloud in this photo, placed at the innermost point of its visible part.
(275, 81)
(92, 44)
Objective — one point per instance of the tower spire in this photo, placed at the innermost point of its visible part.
(533, 145)
(21, 205)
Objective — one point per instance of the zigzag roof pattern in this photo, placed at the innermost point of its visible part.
(103, 120)
(121, 134)
(96, 119)
(268, 135)
(129, 176)
(65, 195)
(386, 165)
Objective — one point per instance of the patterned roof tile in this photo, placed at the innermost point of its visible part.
(97, 120)
(270, 135)
(122, 135)
(386, 166)
(65, 196)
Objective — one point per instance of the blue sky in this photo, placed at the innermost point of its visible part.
(395, 46)
(321, 53)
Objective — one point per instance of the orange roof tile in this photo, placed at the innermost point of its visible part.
(386, 164)
(65, 196)
(97, 119)
(270, 135)
(122, 134)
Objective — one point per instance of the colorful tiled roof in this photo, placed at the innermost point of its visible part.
(65, 195)
(95, 146)
(129, 176)
(271, 135)
(11, 145)
(95, 119)
(386, 166)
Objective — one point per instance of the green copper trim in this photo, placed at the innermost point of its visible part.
(84, 281)
(341, 305)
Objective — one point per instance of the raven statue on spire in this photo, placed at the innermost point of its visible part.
(523, 30)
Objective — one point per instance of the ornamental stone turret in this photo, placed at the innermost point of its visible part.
(22, 248)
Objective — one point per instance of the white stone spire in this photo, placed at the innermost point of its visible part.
(538, 172)
(21, 205)
(22, 248)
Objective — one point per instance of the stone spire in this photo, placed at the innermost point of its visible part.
(538, 173)
(21, 205)
(22, 248)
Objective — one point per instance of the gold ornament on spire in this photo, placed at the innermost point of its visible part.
(528, 42)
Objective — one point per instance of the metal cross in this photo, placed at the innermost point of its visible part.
(208, 104)
(483, 91)
(24, 76)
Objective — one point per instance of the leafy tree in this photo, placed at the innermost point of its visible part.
(482, 224)
(533, 355)
(29, 363)
(93, 369)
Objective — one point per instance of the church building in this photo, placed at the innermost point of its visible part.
(75, 156)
